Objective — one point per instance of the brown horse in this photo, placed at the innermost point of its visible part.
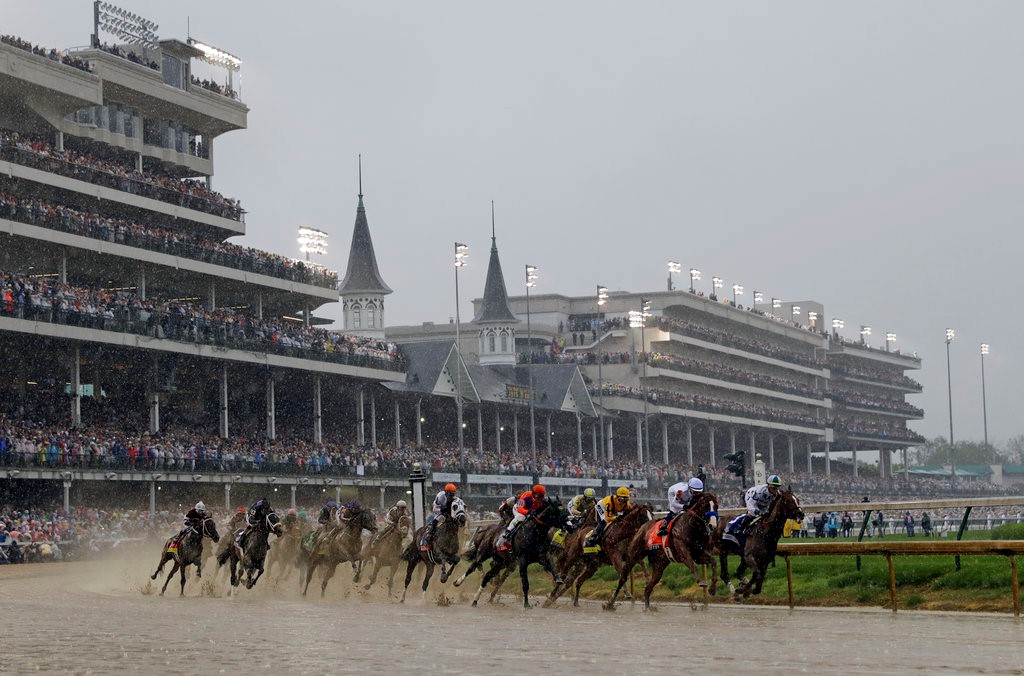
(344, 543)
(189, 552)
(386, 550)
(248, 551)
(285, 549)
(576, 566)
(688, 542)
(445, 550)
(758, 549)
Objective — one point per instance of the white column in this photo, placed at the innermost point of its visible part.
(227, 498)
(810, 468)
(906, 468)
(579, 436)
(419, 423)
(853, 458)
(154, 412)
(63, 271)
(138, 163)
(360, 422)
(224, 402)
(792, 465)
(732, 439)
(711, 443)
(373, 421)
(76, 389)
(611, 440)
(664, 440)
(398, 426)
(318, 430)
(293, 487)
(152, 498)
(67, 495)
(213, 295)
(689, 444)
(271, 409)
(259, 304)
(480, 429)
(771, 450)
(515, 431)
(828, 459)
(593, 434)
(60, 141)
(549, 435)
(141, 284)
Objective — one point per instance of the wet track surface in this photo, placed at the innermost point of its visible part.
(102, 617)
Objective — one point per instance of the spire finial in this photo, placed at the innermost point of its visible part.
(360, 176)
(492, 221)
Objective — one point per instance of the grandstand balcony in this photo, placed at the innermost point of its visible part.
(857, 351)
(903, 384)
(913, 414)
(745, 353)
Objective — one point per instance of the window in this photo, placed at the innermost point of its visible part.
(174, 72)
(371, 316)
(357, 317)
(504, 341)
(490, 342)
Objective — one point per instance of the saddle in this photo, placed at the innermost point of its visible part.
(735, 531)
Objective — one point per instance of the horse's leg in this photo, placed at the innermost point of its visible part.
(329, 570)
(426, 576)
(523, 565)
(477, 563)
(408, 577)
(624, 573)
(392, 567)
(506, 570)
(183, 566)
(446, 571)
(169, 576)
(588, 572)
(310, 567)
(163, 559)
(376, 568)
(658, 566)
(488, 576)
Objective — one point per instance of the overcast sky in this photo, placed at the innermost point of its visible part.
(867, 156)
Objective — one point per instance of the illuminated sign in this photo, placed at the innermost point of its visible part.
(518, 393)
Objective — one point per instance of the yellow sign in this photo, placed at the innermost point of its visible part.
(518, 393)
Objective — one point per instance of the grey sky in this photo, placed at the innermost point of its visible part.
(868, 156)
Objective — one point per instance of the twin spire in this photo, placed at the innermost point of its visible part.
(362, 276)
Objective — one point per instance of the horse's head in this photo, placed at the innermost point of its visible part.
(459, 511)
(210, 529)
(787, 505)
(404, 522)
(273, 523)
(706, 507)
(366, 520)
(552, 513)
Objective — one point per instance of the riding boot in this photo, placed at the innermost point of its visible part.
(595, 536)
(663, 529)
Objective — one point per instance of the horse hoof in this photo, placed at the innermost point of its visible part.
(527, 606)
(608, 606)
(702, 584)
(474, 604)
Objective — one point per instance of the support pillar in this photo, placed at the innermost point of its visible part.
(318, 430)
(212, 302)
(906, 468)
(771, 451)
(828, 459)
(853, 457)
(360, 421)
(792, 465)
(593, 434)
(67, 494)
(711, 443)
(152, 498)
(259, 305)
(76, 390)
(59, 142)
(753, 449)
(515, 431)
(732, 439)
(227, 498)
(480, 430)
(293, 487)
(154, 412)
(138, 163)
(497, 430)
(611, 440)
(810, 469)
(549, 435)
(373, 421)
(419, 423)
(579, 436)
(62, 272)
(664, 441)
(224, 402)
(689, 444)
(140, 284)
(398, 426)
(271, 409)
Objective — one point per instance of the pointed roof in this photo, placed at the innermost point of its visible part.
(494, 307)
(362, 275)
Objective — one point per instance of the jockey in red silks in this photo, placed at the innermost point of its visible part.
(528, 503)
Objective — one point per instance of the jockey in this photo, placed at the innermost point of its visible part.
(759, 500)
(681, 497)
(327, 512)
(194, 519)
(527, 504)
(291, 520)
(391, 519)
(442, 506)
(237, 519)
(578, 507)
(608, 509)
(258, 513)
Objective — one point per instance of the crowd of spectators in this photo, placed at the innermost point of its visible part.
(696, 402)
(860, 400)
(890, 431)
(51, 54)
(868, 371)
(47, 300)
(128, 55)
(211, 86)
(706, 333)
(176, 243)
(37, 153)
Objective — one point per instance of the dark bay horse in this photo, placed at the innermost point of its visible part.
(445, 551)
(248, 552)
(285, 550)
(689, 543)
(576, 566)
(530, 544)
(343, 543)
(760, 545)
(386, 550)
(188, 553)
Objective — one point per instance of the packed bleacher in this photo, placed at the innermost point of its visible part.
(186, 244)
(886, 431)
(859, 400)
(51, 54)
(128, 55)
(211, 86)
(867, 371)
(37, 153)
(696, 402)
(719, 337)
(46, 300)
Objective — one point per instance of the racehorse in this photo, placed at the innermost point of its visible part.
(386, 550)
(688, 541)
(577, 566)
(530, 543)
(444, 551)
(249, 550)
(285, 550)
(189, 552)
(759, 547)
(343, 543)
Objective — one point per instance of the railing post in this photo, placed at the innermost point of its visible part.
(960, 532)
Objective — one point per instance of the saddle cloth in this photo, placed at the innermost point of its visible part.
(655, 541)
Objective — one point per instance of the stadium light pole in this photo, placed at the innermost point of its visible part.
(758, 298)
(716, 284)
(984, 404)
(638, 319)
(461, 259)
(312, 241)
(812, 318)
(602, 299)
(794, 312)
(950, 334)
(694, 276)
(737, 290)
(836, 325)
(890, 338)
(865, 331)
(531, 281)
(673, 266)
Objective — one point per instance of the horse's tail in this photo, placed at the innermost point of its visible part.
(223, 556)
(411, 551)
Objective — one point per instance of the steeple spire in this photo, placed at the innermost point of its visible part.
(360, 177)
(494, 307)
(362, 276)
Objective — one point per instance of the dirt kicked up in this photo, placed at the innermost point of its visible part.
(105, 617)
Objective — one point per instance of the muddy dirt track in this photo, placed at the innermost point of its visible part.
(102, 617)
